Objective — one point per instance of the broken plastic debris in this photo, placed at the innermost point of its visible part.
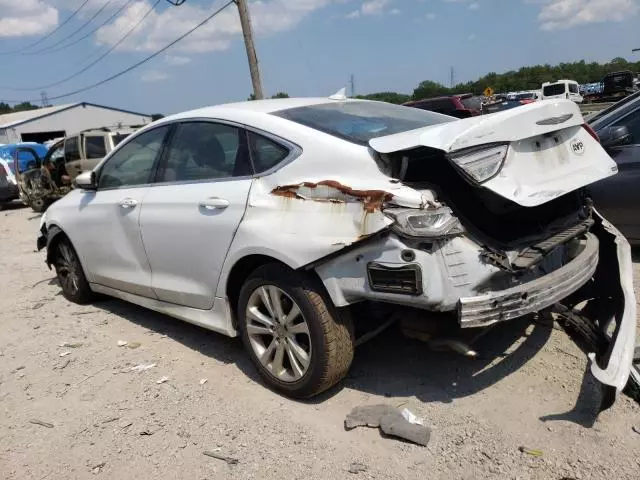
(531, 451)
(410, 417)
(64, 354)
(356, 468)
(203, 381)
(162, 380)
(133, 345)
(122, 343)
(142, 367)
(229, 460)
(390, 420)
(70, 345)
(41, 423)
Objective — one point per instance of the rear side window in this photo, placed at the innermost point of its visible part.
(95, 146)
(265, 153)
(555, 89)
(71, 149)
(573, 88)
(118, 137)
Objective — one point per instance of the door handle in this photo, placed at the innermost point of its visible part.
(214, 203)
(127, 203)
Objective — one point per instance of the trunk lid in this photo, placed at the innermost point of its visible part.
(549, 155)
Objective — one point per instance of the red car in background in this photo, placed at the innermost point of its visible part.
(459, 106)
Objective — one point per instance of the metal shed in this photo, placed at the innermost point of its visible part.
(53, 122)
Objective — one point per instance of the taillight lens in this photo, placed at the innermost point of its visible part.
(591, 131)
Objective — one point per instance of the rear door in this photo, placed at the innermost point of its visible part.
(618, 197)
(190, 216)
(73, 156)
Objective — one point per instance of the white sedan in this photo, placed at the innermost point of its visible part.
(269, 219)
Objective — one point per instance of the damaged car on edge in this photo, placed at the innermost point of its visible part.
(270, 219)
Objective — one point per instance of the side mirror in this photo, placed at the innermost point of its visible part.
(615, 136)
(86, 181)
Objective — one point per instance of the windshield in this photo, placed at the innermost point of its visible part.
(359, 122)
(555, 89)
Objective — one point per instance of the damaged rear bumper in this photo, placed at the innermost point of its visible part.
(533, 296)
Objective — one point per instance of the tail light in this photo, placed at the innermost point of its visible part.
(591, 131)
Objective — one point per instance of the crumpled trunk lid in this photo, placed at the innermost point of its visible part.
(549, 155)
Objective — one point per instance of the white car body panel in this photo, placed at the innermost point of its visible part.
(541, 163)
(95, 218)
(174, 224)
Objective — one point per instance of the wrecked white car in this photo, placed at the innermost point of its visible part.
(268, 219)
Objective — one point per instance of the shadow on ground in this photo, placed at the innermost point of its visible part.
(390, 364)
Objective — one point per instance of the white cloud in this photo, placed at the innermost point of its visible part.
(161, 27)
(472, 36)
(177, 61)
(354, 14)
(474, 6)
(430, 16)
(153, 76)
(395, 11)
(374, 7)
(560, 14)
(26, 17)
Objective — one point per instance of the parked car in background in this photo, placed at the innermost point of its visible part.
(569, 89)
(8, 184)
(270, 219)
(618, 197)
(45, 180)
(84, 150)
(8, 154)
(459, 106)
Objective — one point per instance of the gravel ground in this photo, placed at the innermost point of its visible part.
(528, 389)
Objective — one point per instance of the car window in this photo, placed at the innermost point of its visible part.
(204, 151)
(573, 88)
(360, 121)
(632, 122)
(133, 163)
(56, 152)
(265, 153)
(95, 146)
(119, 137)
(71, 149)
(555, 89)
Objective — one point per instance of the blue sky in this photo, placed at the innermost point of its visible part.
(305, 47)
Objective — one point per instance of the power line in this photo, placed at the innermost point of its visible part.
(84, 69)
(141, 62)
(42, 39)
(47, 49)
(86, 35)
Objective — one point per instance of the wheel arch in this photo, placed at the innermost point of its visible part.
(54, 235)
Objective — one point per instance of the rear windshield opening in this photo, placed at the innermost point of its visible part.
(359, 122)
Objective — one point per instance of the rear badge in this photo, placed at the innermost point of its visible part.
(577, 147)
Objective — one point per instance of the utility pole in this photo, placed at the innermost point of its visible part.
(245, 21)
(452, 77)
(353, 86)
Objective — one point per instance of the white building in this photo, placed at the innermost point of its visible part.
(53, 122)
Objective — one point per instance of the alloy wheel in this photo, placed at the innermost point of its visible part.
(66, 269)
(278, 333)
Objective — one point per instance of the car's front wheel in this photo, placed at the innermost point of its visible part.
(296, 338)
(73, 282)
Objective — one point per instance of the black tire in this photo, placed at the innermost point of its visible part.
(330, 334)
(39, 206)
(73, 282)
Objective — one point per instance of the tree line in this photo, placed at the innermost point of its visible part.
(20, 107)
(526, 78)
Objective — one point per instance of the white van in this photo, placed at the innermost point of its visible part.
(568, 89)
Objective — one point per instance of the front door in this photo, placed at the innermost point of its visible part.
(107, 231)
(190, 217)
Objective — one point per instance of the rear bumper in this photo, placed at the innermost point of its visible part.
(9, 192)
(532, 296)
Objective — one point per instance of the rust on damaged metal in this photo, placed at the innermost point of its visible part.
(371, 199)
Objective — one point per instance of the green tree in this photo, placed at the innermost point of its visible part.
(389, 97)
(280, 95)
(428, 89)
(24, 106)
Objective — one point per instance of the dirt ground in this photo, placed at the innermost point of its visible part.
(528, 389)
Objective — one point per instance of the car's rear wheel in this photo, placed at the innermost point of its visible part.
(39, 205)
(299, 343)
(73, 282)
